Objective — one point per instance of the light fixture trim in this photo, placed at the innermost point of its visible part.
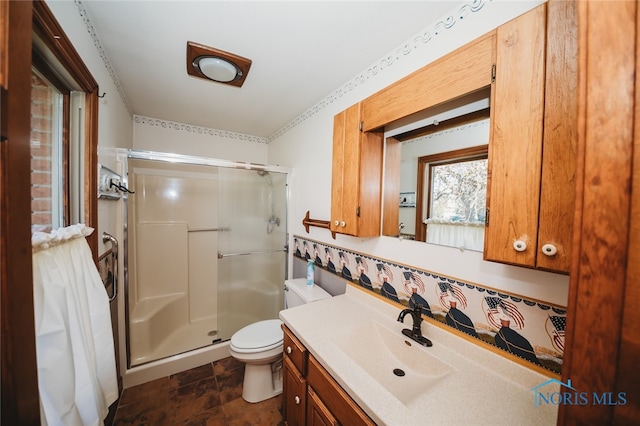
(233, 69)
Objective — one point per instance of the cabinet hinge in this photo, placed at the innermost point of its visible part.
(486, 217)
(361, 125)
(493, 73)
(358, 211)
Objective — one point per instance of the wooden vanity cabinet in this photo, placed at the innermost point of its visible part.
(318, 414)
(531, 176)
(294, 383)
(334, 398)
(294, 391)
(356, 179)
(310, 395)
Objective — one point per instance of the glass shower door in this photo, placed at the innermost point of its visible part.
(252, 207)
(172, 238)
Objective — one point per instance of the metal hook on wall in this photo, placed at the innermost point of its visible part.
(103, 95)
(120, 187)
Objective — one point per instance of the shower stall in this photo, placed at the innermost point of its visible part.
(205, 245)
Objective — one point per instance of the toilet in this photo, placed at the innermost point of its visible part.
(259, 345)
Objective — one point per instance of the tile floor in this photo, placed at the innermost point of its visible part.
(207, 395)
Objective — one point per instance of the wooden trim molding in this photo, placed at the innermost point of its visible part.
(20, 401)
(463, 71)
(596, 318)
(628, 375)
(49, 30)
(4, 42)
(390, 198)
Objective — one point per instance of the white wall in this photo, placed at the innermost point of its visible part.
(306, 144)
(115, 126)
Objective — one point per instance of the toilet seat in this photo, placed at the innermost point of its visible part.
(260, 336)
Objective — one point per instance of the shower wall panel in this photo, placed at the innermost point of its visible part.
(173, 294)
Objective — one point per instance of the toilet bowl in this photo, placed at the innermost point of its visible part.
(259, 345)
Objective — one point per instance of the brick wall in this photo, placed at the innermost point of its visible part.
(41, 152)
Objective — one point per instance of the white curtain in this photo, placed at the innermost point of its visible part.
(74, 342)
(467, 236)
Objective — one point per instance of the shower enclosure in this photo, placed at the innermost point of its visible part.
(206, 251)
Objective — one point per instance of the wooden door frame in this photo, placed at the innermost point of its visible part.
(597, 358)
(20, 398)
(20, 401)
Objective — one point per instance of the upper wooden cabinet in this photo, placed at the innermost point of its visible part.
(356, 176)
(463, 71)
(530, 65)
(558, 186)
(532, 144)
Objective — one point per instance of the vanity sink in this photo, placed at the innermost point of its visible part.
(358, 340)
(404, 368)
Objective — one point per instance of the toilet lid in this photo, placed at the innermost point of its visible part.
(259, 336)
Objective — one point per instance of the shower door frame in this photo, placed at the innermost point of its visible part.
(123, 156)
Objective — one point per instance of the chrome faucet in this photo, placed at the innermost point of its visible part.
(415, 333)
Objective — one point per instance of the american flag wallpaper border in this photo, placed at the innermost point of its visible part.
(529, 329)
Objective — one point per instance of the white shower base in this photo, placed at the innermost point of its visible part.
(175, 364)
(255, 300)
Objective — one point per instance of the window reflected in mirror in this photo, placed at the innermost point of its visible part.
(453, 201)
(435, 180)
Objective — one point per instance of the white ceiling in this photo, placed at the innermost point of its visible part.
(302, 51)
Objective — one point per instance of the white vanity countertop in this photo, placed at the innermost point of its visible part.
(476, 387)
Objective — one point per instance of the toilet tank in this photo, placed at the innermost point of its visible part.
(298, 293)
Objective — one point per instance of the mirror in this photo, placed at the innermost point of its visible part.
(442, 145)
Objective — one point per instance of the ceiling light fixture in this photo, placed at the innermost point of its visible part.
(216, 65)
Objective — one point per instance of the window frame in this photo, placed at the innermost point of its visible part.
(424, 179)
(44, 68)
(47, 28)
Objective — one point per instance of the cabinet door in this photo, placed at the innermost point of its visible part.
(340, 404)
(345, 185)
(557, 193)
(295, 351)
(356, 180)
(294, 394)
(317, 413)
(515, 147)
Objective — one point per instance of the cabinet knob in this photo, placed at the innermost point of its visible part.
(549, 250)
(336, 223)
(297, 400)
(343, 224)
(288, 349)
(519, 245)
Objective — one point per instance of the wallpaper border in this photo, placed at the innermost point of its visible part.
(532, 330)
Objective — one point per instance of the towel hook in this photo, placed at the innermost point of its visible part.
(120, 186)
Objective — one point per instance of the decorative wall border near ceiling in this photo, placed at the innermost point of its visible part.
(529, 329)
(103, 55)
(166, 124)
(414, 44)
